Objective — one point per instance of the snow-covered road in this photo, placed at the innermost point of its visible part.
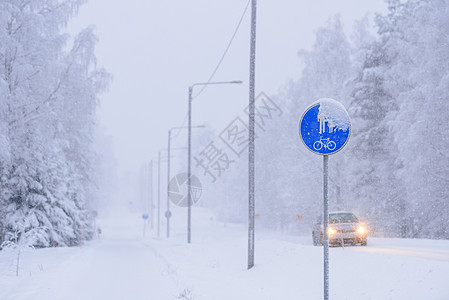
(385, 246)
(118, 266)
(125, 265)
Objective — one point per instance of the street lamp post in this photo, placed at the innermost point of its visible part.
(159, 161)
(151, 195)
(159, 194)
(189, 151)
(168, 213)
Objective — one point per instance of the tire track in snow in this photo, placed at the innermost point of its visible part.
(169, 270)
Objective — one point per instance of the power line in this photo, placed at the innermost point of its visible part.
(182, 125)
(219, 63)
(226, 50)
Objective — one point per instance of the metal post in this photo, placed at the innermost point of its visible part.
(147, 188)
(143, 187)
(251, 172)
(189, 151)
(167, 213)
(151, 195)
(146, 193)
(159, 195)
(326, 225)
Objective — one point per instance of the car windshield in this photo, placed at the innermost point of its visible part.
(342, 218)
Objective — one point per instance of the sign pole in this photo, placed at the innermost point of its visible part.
(326, 225)
(324, 129)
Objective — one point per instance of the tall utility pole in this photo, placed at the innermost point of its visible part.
(251, 148)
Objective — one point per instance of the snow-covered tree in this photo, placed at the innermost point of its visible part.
(374, 184)
(419, 81)
(288, 176)
(398, 166)
(48, 99)
(394, 170)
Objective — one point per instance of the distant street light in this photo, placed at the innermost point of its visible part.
(150, 179)
(159, 161)
(189, 154)
(168, 212)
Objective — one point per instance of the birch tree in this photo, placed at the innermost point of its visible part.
(49, 97)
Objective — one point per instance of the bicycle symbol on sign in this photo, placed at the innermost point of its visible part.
(326, 143)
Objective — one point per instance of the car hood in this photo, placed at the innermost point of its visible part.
(344, 226)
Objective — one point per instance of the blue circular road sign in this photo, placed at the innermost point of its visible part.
(325, 127)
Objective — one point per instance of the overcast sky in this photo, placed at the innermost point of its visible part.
(156, 49)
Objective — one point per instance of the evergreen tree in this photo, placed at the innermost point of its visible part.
(373, 168)
(420, 73)
(289, 176)
(48, 104)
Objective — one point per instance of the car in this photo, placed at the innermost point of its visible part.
(344, 228)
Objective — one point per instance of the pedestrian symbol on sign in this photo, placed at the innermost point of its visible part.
(325, 127)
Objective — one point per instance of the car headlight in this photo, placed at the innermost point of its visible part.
(330, 231)
(361, 230)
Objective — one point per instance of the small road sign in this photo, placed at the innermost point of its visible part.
(325, 127)
(145, 216)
